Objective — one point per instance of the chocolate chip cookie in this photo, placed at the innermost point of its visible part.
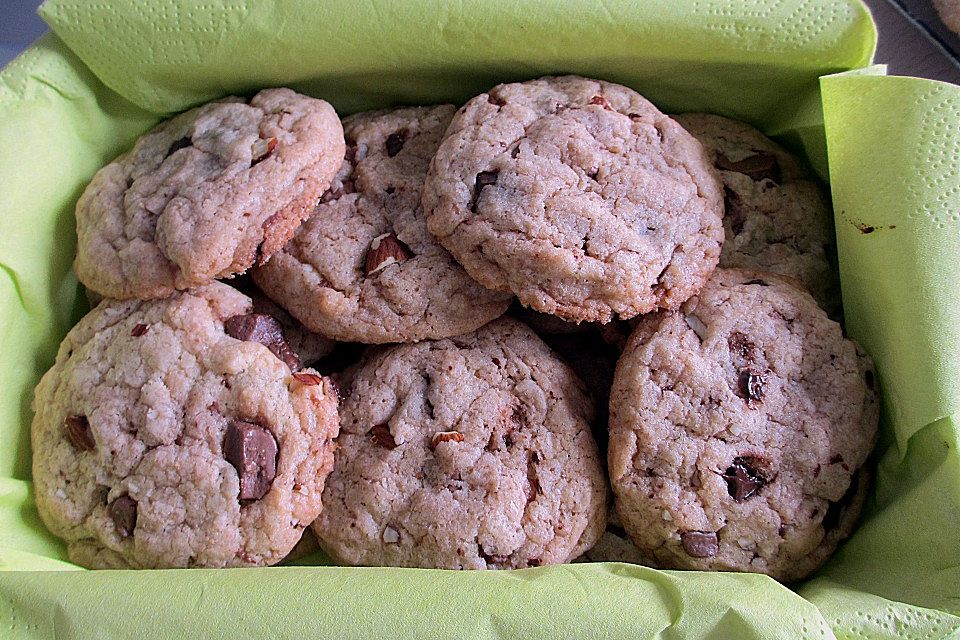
(364, 268)
(739, 426)
(777, 218)
(471, 452)
(206, 194)
(578, 196)
(173, 433)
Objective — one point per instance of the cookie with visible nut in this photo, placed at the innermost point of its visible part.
(776, 217)
(173, 433)
(739, 427)
(206, 194)
(471, 452)
(364, 268)
(577, 195)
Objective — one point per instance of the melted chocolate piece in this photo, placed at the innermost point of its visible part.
(265, 329)
(395, 142)
(252, 450)
(744, 479)
(123, 512)
(750, 385)
(700, 544)
(484, 179)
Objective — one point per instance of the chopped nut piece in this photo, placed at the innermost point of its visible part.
(382, 436)
(123, 512)
(307, 379)
(262, 149)
(78, 433)
(391, 536)
(445, 436)
(697, 325)
(384, 251)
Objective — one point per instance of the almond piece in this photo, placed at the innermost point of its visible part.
(445, 436)
(307, 379)
(391, 535)
(384, 251)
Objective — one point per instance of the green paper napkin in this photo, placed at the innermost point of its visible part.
(68, 106)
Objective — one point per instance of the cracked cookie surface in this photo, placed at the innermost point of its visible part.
(364, 268)
(206, 194)
(738, 428)
(466, 453)
(776, 217)
(578, 196)
(160, 440)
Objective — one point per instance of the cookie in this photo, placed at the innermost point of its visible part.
(364, 268)
(777, 218)
(162, 440)
(578, 196)
(206, 194)
(739, 426)
(471, 452)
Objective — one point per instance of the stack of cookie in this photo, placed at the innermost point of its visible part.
(180, 427)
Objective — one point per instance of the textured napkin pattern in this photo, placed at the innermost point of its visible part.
(75, 100)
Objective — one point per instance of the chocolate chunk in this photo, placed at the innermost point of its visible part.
(78, 433)
(734, 210)
(182, 143)
(492, 560)
(700, 544)
(744, 479)
(139, 330)
(382, 436)
(869, 379)
(759, 166)
(484, 179)
(123, 512)
(395, 142)
(265, 329)
(496, 101)
(742, 346)
(750, 385)
(252, 450)
(762, 283)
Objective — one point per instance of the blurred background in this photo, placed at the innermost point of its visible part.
(914, 41)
